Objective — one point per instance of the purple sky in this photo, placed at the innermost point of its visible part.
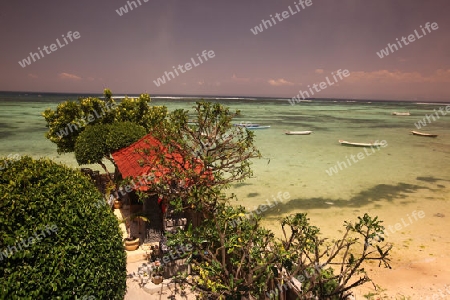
(128, 53)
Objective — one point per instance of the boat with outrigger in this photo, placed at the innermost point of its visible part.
(424, 134)
(346, 143)
(305, 132)
(251, 126)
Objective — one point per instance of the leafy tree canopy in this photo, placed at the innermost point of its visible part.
(217, 152)
(58, 239)
(97, 142)
(70, 118)
(235, 258)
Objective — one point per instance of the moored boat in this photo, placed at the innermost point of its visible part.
(423, 134)
(401, 113)
(252, 126)
(346, 143)
(306, 132)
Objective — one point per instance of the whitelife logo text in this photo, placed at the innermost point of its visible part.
(49, 49)
(280, 17)
(187, 66)
(423, 122)
(355, 158)
(319, 87)
(124, 9)
(411, 38)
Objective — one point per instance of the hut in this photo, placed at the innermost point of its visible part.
(141, 162)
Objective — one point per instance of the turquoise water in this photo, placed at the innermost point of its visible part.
(410, 173)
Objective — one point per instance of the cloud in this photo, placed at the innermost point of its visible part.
(442, 75)
(239, 79)
(280, 82)
(386, 76)
(32, 75)
(68, 76)
(318, 71)
(205, 83)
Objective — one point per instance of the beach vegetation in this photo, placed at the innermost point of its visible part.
(97, 142)
(72, 117)
(59, 242)
(214, 153)
(246, 261)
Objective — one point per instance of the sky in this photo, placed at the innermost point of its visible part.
(307, 44)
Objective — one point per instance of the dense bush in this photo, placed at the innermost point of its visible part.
(71, 118)
(235, 258)
(99, 141)
(57, 238)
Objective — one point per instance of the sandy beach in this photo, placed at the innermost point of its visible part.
(419, 258)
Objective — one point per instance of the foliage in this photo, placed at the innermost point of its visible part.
(99, 141)
(231, 260)
(83, 258)
(138, 111)
(246, 261)
(343, 258)
(204, 152)
(71, 118)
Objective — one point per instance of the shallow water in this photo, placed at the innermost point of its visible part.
(410, 173)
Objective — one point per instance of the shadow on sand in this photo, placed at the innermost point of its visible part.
(380, 192)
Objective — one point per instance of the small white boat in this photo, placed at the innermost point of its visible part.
(401, 113)
(423, 134)
(252, 126)
(306, 132)
(345, 143)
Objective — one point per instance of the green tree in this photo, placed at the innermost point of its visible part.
(232, 255)
(330, 269)
(98, 142)
(235, 258)
(204, 152)
(71, 118)
(58, 239)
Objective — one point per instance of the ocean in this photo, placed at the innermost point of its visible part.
(332, 183)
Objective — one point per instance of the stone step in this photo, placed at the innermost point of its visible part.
(136, 256)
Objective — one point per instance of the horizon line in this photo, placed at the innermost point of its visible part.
(227, 96)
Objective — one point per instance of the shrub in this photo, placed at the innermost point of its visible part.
(71, 118)
(236, 258)
(99, 141)
(56, 241)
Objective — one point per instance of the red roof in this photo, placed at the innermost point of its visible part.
(130, 160)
